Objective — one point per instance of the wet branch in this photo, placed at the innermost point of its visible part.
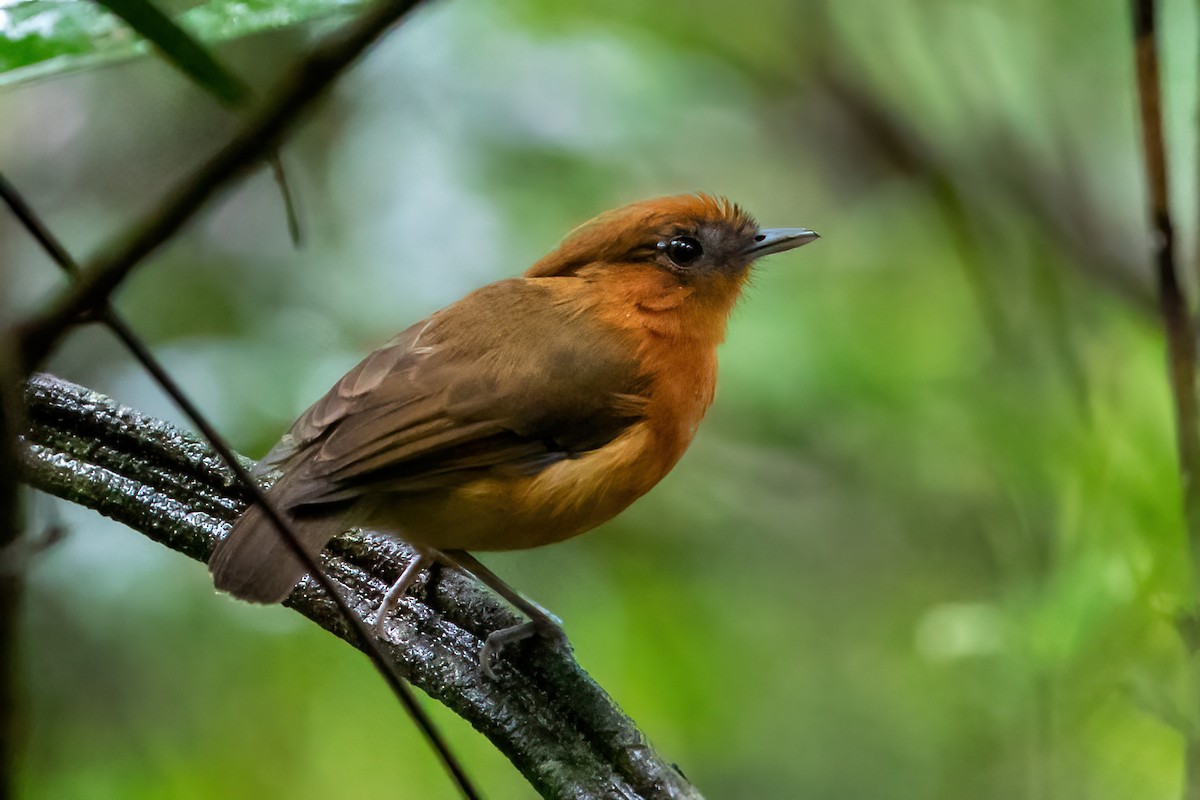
(543, 713)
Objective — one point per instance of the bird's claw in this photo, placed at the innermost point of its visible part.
(489, 654)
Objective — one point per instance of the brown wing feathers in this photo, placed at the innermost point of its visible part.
(529, 411)
(420, 415)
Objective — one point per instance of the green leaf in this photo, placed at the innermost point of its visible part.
(39, 38)
(181, 49)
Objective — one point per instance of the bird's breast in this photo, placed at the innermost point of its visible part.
(511, 512)
(674, 347)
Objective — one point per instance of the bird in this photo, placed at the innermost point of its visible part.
(528, 412)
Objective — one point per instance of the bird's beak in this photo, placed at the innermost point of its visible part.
(776, 240)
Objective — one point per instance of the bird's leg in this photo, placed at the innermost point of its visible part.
(540, 621)
(422, 560)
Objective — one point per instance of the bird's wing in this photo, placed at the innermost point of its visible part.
(504, 380)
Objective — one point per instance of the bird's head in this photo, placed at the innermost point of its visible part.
(695, 238)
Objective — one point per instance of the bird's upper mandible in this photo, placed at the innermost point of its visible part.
(693, 236)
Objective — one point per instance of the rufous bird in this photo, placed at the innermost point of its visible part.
(528, 412)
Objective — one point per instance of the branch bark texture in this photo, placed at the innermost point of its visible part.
(543, 712)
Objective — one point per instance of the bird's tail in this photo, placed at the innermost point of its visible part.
(254, 563)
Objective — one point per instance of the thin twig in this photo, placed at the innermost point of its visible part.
(366, 641)
(292, 214)
(1177, 322)
(259, 135)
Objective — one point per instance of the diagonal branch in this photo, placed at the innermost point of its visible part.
(543, 712)
(256, 140)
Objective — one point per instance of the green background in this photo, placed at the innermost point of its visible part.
(926, 545)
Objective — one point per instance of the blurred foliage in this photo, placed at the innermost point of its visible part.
(928, 543)
(41, 38)
(180, 48)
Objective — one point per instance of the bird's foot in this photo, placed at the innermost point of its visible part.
(396, 593)
(548, 626)
(540, 621)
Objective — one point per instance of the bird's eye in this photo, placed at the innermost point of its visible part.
(683, 250)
